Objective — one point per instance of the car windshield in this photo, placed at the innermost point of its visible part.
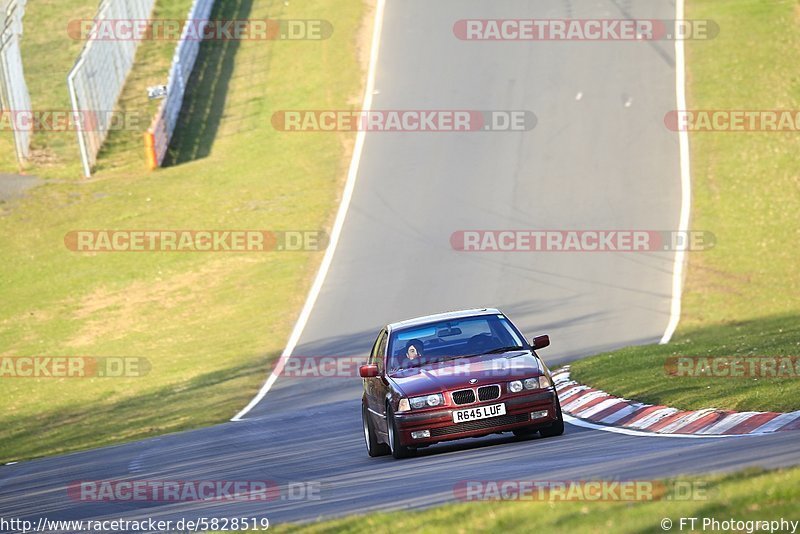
(451, 339)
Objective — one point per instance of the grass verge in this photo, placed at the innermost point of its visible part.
(744, 496)
(209, 324)
(743, 296)
(640, 373)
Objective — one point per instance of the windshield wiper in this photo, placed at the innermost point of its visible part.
(493, 351)
(458, 357)
(504, 349)
(394, 371)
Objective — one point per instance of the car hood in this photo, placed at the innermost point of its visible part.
(485, 369)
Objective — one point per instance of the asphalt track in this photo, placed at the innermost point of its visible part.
(599, 161)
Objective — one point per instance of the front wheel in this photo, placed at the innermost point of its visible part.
(398, 451)
(557, 428)
(374, 447)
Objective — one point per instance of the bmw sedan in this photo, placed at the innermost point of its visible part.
(455, 375)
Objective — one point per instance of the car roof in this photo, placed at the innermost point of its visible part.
(460, 314)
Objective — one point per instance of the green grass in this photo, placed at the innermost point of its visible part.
(749, 495)
(211, 323)
(639, 372)
(743, 296)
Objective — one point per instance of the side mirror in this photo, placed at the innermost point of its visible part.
(540, 342)
(368, 371)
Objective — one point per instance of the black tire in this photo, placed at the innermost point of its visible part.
(557, 428)
(374, 447)
(398, 451)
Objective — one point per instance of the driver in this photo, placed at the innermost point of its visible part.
(413, 350)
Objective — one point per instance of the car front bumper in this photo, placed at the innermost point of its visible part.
(442, 428)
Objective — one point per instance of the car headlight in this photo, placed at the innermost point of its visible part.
(403, 406)
(540, 382)
(515, 386)
(429, 401)
(435, 400)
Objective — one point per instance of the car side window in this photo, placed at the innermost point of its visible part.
(378, 349)
(374, 351)
(381, 351)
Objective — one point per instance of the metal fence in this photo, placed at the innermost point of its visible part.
(98, 77)
(14, 95)
(158, 136)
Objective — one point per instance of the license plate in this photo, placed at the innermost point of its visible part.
(481, 412)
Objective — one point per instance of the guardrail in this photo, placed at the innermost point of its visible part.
(158, 136)
(98, 77)
(14, 95)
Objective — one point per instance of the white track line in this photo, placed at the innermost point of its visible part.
(630, 432)
(686, 180)
(336, 231)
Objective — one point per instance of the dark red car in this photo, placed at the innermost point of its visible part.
(455, 375)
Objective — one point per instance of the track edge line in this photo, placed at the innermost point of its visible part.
(686, 182)
(338, 224)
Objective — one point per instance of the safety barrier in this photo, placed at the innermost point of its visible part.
(158, 136)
